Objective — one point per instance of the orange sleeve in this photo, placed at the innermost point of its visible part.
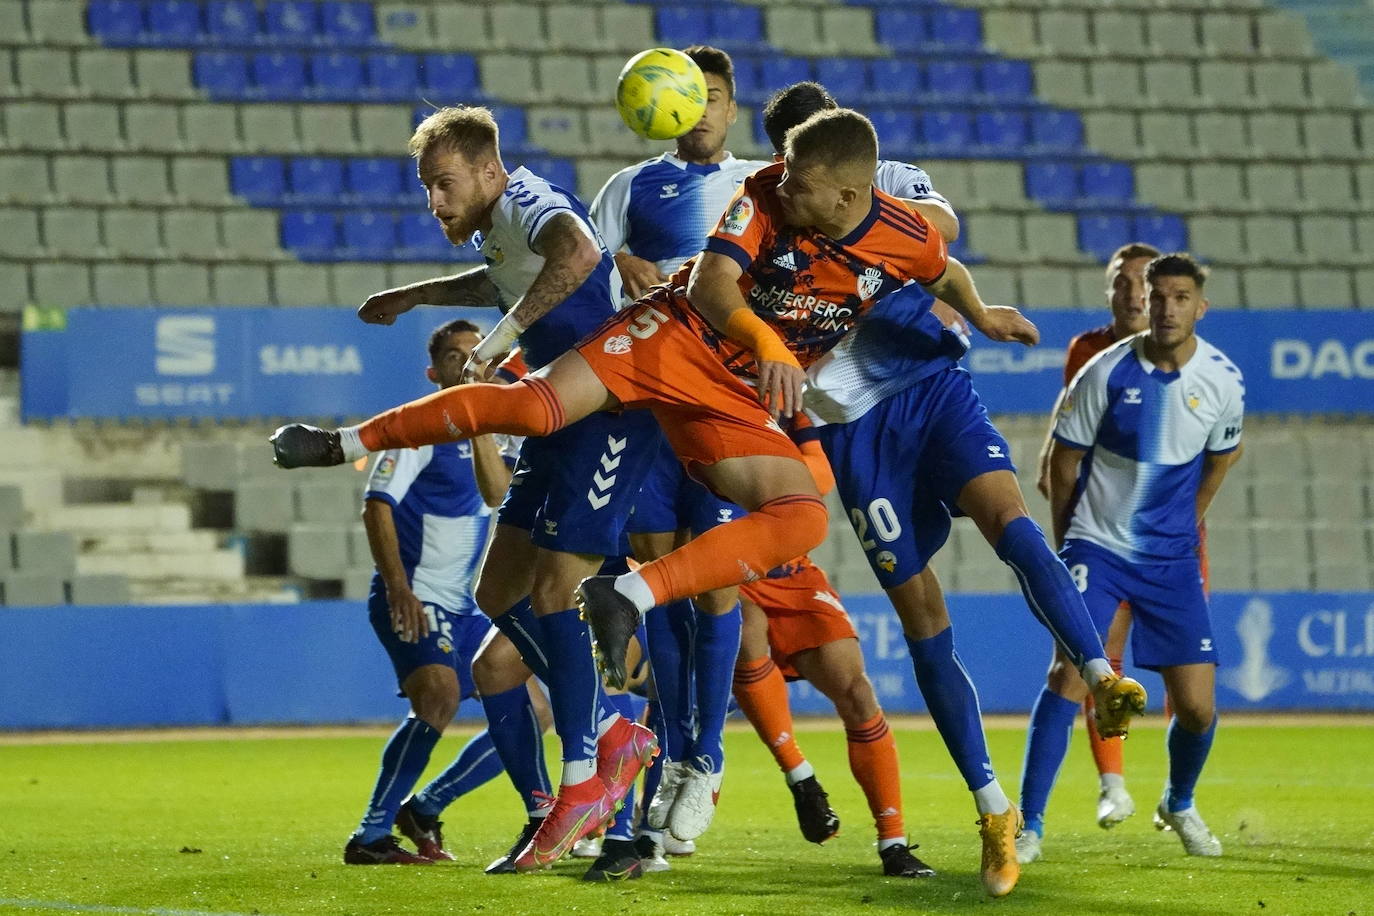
(805, 435)
(740, 233)
(921, 250)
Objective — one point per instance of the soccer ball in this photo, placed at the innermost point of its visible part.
(661, 94)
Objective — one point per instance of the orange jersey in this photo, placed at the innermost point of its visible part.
(1084, 347)
(809, 287)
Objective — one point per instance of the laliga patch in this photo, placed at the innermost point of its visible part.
(386, 467)
(739, 217)
(617, 345)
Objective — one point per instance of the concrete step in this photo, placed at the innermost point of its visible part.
(207, 565)
(164, 542)
(177, 590)
(96, 518)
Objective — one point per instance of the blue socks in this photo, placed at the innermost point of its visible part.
(477, 763)
(669, 630)
(623, 827)
(713, 663)
(953, 705)
(1049, 590)
(573, 684)
(653, 773)
(403, 760)
(513, 729)
(1187, 753)
(522, 628)
(1051, 727)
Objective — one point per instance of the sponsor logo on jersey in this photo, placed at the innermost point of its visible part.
(669, 190)
(739, 217)
(493, 255)
(724, 515)
(1132, 396)
(870, 281)
(787, 260)
(995, 451)
(551, 527)
(617, 345)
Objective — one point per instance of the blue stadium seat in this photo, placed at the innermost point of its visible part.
(1165, 231)
(232, 22)
(174, 23)
(260, 180)
(1100, 234)
(453, 76)
(292, 22)
(947, 132)
(894, 79)
(555, 170)
(736, 26)
(315, 179)
(115, 22)
(394, 77)
(897, 132)
(511, 123)
(373, 180)
(1001, 132)
(1006, 80)
(777, 72)
(680, 26)
(420, 238)
(747, 86)
(1052, 184)
(348, 23)
(1053, 129)
(278, 75)
(845, 77)
(956, 27)
(367, 236)
(310, 234)
(337, 75)
(903, 29)
(222, 74)
(952, 81)
(1108, 182)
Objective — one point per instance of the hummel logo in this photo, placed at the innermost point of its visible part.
(725, 515)
(602, 484)
(1132, 396)
(787, 260)
(669, 190)
(1207, 645)
(995, 451)
(550, 527)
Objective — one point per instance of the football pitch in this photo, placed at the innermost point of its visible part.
(247, 824)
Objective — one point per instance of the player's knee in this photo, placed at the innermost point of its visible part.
(433, 696)
(802, 524)
(855, 701)
(1195, 716)
(1065, 680)
(715, 603)
(551, 595)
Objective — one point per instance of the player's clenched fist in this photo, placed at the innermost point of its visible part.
(383, 307)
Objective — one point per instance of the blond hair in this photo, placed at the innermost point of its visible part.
(469, 131)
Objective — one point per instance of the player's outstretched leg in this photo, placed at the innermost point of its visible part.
(418, 820)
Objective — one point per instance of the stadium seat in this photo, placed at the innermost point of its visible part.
(947, 132)
(952, 81)
(1052, 184)
(367, 236)
(336, 75)
(116, 22)
(783, 71)
(293, 23)
(737, 26)
(348, 23)
(902, 29)
(258, 179)
(420, 238)
(232, 22)
(555, 170)
(310, 234)
(375, 180)
(250, 234)
(747, 86)
(1165, 231)
(1000, 133)
(845, 77)
(1055, 129)
(954, 27)
(278, 75)
(453, 76)
(1006, 80)
(679, 26)
(1100, 234)
(173, 23)
(392, 77)
(315, 179)
(897, 132)
(894, 79)
(1107, 182)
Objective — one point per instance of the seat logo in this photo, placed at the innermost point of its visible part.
(185, 345)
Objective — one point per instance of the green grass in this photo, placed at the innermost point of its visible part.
(256, 825)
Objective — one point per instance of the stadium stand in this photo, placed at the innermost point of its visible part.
(237, 152)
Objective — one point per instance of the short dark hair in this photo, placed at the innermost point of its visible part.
(1177, 264)
(788, 107)
(839, 139)
(443, 331)
(714, 60)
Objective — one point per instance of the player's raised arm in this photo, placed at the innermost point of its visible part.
(471, 287)
(997, 322)
(938, 213)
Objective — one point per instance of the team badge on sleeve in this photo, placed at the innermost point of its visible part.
(870, 281)
(739, 217)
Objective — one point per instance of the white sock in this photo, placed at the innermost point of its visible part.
(803, 770)
(575, 771)
(991, 799)
(633, 586)
(1095, 669)
(891, 841)
(351, 441)
(1112, 781)
(605, 725)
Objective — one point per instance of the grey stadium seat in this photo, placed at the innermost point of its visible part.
(1170, 84)
(317, 551)
(1341, 557)
(1062, 82)
(999, 184)
(510, 78)
(327, 128)
(575, 27)
(32, 589)
(1331, 239)
(45, 72)
(1052, 235)
(61, 284)
(1112, 132)
(300, 284)
(1280, 83)
(141, 179)
(93, 126)
(382, 129)
(56, 22)
(1273, 239)
(1221, 134)
(1269, 287)
(518, 26)
(351, 284)
(164, 74)
(70, 232)
(1167, 135)
(181, 283)
(122, 284)
(1065, 30)
(1217, 185)
(1283, 34)
(268, 129)
(848, 30)
(1217, 238)
(240, 284)
(190, 233)
(1324, 288)
(1276, 134)
(1010, 31)
(250, 233)
(200, 180)
(1333, 84)
(263, 505)
(131, 232)
(152, 126)
(1048, 287)
(1119, 33)
(20, 238)
(100, 588)
(567, 77)
(1227, 34)
(459, 26)
(1279, 499)
(629, 28)
(210, 128)
(793, 27)
(51, 552)
(1173, 33)
(33, 125)
(1339, 500)
(1329, 186)
(1282, 557)
(409, 25)
(328, 502)
(1114, 82)
(561, 130)
(1331, 135)
(24, 179)
(105, 74)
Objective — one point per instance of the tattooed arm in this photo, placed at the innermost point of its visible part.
(471, 287)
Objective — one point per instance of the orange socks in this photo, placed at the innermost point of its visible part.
(781, 529)
(1106, 751)
(761, 693)
(530, 407)
(873, 761)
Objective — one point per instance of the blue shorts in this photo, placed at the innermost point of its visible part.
(453, 639)
(669, 500)
(900, 467)
(574, 490)
(1170, 622)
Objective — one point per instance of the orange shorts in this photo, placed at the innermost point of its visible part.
(803, 612)
(652, 355)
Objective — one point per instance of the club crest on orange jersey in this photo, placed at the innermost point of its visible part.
(870, 281)
(618, 345)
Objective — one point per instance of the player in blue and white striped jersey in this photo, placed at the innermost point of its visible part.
(1144, 438)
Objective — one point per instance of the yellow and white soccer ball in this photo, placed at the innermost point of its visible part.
(661, 94)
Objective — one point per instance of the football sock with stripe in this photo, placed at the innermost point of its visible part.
(713, 660)
(574, 688)
(403, 760)
(761, 692)
(669, 629)
(1187, 753)
(873, 761)
(513, 728)
(623, 827)
(1047, 742)
(476, 764)
(530, 407)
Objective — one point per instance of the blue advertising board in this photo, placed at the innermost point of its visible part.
(241, 363)
(319, 662)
